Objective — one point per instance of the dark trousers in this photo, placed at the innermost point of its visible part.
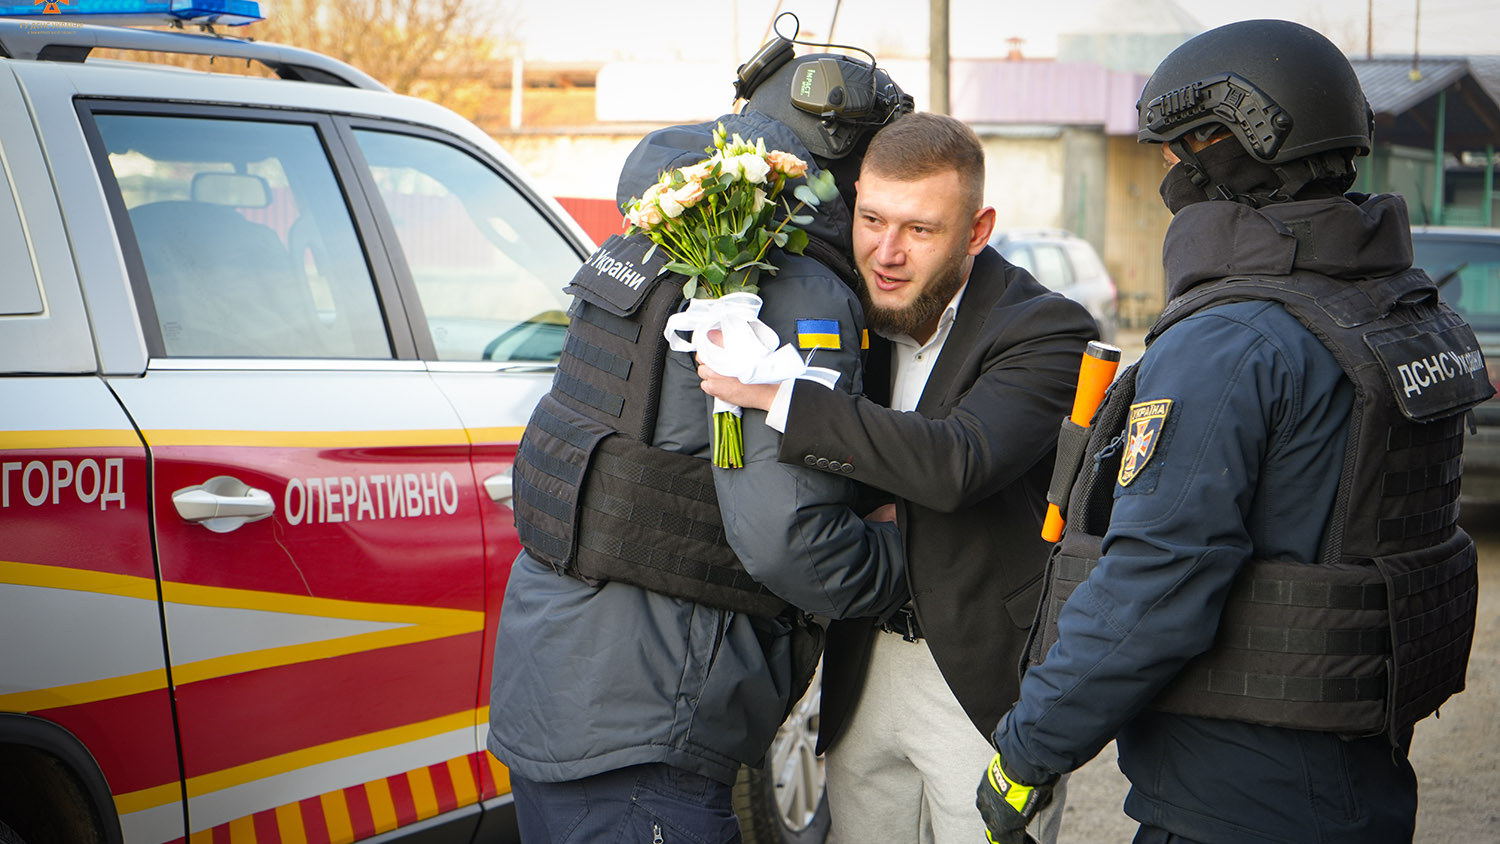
(643, 804)
(1157, 835)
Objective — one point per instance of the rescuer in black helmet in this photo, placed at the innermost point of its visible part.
(834, 103)
(1296, 111)
(1262, 585)
(655, 631)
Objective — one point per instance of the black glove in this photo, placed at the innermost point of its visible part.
(1007, 806)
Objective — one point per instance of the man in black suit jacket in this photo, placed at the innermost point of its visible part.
(994, 357)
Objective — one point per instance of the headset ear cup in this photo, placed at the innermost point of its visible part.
(765, 62)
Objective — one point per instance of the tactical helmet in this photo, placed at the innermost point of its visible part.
(1283, 90)
(830, 101)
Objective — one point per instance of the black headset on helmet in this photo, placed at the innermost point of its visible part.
(830, 101)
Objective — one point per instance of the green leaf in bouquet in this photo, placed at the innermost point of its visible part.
(714, 274)
(779, 238)
(725, 245)
(796, 241)
(742, 278)
(725, 180)
(806, 194)
(824, 186)
(800, 219)
(649, 252)
(690, 288)
(759, 265)
(682, 268)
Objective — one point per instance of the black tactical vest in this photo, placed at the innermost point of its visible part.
(1376, 635)
(593, 499)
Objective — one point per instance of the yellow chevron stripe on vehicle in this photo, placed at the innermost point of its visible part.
(508, 435)
(160, 438)
(336, 817)
(308, 756)
(81, 438)
(418, 624)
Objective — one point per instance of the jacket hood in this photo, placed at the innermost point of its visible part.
(680, 146)
(1349, 237)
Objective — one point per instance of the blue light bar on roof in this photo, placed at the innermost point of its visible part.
(137, 12)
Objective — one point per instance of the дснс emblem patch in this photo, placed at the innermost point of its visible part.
(1143, 429)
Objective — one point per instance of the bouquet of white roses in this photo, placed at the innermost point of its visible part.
(717, 219)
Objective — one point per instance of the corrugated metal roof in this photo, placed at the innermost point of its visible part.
(1390, 88)
(1406, 104)
(1487, 70)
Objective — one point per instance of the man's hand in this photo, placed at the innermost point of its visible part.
(732, 390)
(1007, 806)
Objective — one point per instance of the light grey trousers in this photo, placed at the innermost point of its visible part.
(906, 766)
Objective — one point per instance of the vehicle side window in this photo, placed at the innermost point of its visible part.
(488, 266)
(248, 245)
(1052, 267)
(1469, 274)
(1019, 255)
(19, 293)
(1085, 260)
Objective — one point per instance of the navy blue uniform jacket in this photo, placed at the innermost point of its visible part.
(1246, 466)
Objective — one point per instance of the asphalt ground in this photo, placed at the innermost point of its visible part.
(1456, 754)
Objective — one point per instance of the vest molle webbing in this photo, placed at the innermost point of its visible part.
(593, 498)
(1376, 635)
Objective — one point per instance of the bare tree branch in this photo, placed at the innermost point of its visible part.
(440, 50)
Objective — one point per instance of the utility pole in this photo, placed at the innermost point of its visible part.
(517, 85)
(937, 51)
(1369, 29)
(1416, 43)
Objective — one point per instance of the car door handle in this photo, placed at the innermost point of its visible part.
(499, 486)
(222, 503)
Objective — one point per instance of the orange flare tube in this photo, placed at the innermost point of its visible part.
(1100, 360)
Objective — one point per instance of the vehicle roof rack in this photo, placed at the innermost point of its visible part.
(64, 41)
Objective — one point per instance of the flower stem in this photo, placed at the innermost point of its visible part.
(729, 441)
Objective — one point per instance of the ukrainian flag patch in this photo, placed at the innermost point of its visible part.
(818, 334)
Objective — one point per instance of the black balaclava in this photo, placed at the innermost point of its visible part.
(1226, 170)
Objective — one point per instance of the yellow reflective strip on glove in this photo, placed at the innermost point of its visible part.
(1018, 796)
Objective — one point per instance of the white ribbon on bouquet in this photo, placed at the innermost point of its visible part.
(748, 349)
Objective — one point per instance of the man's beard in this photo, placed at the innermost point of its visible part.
(922, 310)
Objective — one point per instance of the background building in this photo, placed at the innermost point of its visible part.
(1059, 133)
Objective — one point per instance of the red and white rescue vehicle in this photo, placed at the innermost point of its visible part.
(266, 350)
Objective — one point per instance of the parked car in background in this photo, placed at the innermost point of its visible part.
(1466, 265)
(1064, 262)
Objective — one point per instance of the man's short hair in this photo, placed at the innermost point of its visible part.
(923, 144)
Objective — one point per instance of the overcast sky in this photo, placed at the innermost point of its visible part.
(713, 30)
